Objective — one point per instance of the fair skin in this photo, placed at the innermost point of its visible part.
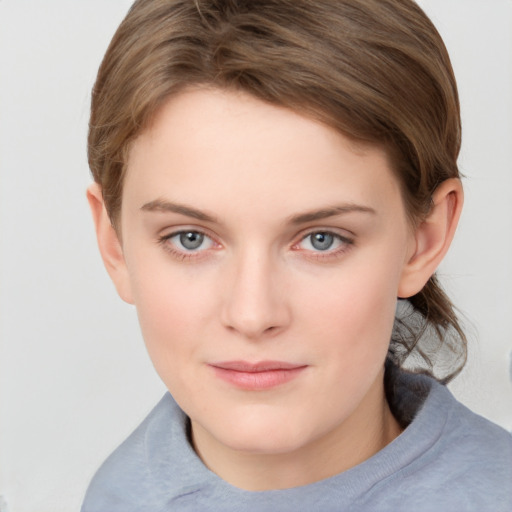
(264, 252)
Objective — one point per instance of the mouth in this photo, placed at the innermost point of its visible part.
(257, 376)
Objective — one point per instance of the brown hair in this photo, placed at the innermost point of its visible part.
(376, 70)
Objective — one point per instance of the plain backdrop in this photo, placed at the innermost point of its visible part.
(74, 375)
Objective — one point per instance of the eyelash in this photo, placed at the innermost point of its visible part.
(187, 255)
(184, 255)
(345, 244)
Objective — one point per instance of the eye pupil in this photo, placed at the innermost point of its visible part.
(322, 241)
(191, 240)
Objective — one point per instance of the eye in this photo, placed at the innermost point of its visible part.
(188, 241)
(323, 241)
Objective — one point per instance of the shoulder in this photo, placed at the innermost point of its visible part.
(477, 451)
(124, 481)
(459, 460)
(466, 436)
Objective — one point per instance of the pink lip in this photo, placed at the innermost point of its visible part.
(257, 376)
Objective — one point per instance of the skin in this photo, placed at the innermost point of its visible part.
(260, 182)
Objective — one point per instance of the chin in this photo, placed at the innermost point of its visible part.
(264, 436)
(265, 445)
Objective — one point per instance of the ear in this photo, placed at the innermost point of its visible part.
(109, 244)
(432, 238)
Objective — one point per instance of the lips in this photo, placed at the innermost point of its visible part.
(257, 376)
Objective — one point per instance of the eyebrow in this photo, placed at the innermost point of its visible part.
(325, 213)
(161, 205)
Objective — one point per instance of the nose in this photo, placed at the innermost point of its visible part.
(255, 300)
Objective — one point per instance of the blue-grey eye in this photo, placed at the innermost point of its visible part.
(321, 241)
(191, 240)
(187, 242)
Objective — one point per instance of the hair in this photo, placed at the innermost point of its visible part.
(375, 70)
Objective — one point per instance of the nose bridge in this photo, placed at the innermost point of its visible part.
(254, 303)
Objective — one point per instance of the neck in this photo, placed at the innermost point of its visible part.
(365, 432)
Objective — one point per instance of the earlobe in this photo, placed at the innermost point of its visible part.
(109, 244)
(432, 237)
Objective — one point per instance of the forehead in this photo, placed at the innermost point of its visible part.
(209, 144)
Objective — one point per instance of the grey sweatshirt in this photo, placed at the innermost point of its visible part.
(447, 459)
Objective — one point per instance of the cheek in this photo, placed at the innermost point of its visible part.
(169, 295)
(351, 327)
(354, 307)
(173, 308)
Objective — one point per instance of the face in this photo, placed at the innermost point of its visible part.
(264, 252)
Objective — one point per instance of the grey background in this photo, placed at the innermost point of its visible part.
(74, 375)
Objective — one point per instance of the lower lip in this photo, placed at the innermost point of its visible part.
(258, 381)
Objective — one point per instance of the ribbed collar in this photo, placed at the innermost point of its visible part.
(177, 473)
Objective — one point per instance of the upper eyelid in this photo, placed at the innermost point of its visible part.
(346, 235)
(345, 241)
(167, 236)
(183, 253)
(171, 232)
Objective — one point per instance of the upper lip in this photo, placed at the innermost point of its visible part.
(260, 366)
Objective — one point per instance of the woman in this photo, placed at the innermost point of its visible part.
(270, 176)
